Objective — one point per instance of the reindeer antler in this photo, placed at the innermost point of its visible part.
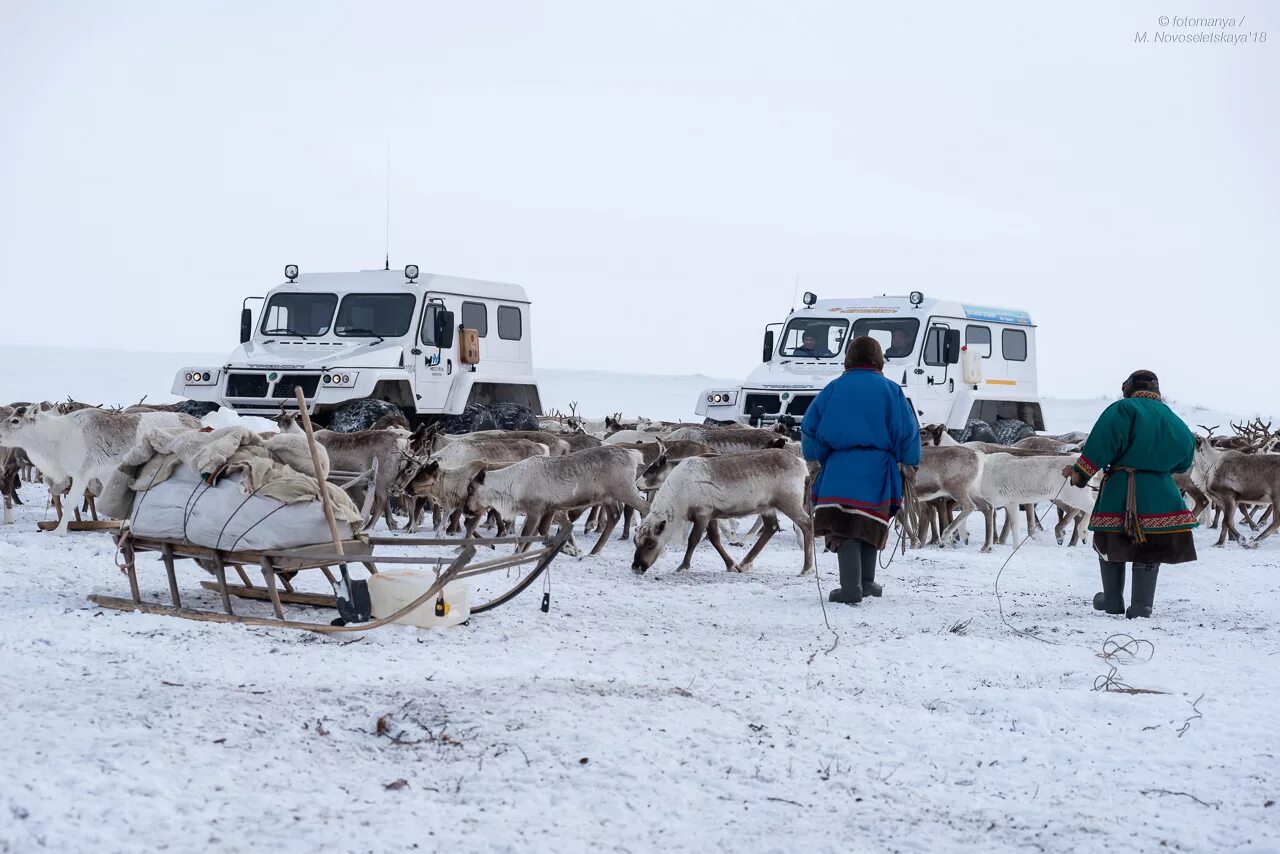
(1209, 430)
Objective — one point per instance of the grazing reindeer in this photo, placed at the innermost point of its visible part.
(702, 490)
(540, 487)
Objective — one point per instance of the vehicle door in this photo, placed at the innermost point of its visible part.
(435, 353)
(933, 381)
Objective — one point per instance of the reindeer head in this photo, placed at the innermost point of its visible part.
(19, 418)
(416, 477)
(287, 421)
(655, 474)
(473, 503)
(931, 434)
(651, 538)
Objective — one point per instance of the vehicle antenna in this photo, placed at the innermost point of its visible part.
(387, 262)
(794, 291)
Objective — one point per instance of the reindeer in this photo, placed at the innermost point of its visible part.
(702, 490)
(358, 452)
(540, 487)
(730, 440)
(81, 447)
(1010, 480)
(1231, 478)
(955, 474)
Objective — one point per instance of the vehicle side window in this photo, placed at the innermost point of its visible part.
(476, 316)
(509, 325)
(429, 325)
(1013, 343)
(933, 346)
(978, 339)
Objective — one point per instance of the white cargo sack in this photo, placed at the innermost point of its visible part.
(222, 516)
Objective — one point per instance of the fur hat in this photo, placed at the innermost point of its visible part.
(1140, 381)
(864, 352)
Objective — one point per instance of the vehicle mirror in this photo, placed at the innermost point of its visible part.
(951, 347)
(246, 325)
(444, 329)
(768, 345)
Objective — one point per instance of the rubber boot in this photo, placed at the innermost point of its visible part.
(1111, 599)
(850, 590)
(870, 559)
(1143, 594)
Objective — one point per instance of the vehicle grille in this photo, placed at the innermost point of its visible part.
(767, 403)
(287, 382)
(246, 385)
(799, 405)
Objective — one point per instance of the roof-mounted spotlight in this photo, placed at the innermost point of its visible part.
(916, 297)
(411, 271)
(291, 271)
(810, 298)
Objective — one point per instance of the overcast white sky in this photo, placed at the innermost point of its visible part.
(657, 174)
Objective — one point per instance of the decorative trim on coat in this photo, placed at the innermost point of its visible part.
(1156, 523)
(882, 511)
(1086, 468)
(1147, 395)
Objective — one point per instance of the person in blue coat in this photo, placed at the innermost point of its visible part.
(861, 430)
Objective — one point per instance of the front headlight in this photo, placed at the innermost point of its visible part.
(722, 398)
(200, 376)
(339, 379)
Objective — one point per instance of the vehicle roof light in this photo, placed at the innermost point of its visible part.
(411, 271)
(291, 271)
(810, 298)
(916, 297)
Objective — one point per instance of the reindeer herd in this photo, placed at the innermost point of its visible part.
(680, 481)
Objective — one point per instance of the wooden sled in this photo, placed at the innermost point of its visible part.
(278, 567)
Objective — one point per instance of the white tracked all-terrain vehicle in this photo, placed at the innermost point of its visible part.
(362, 344)
(955, 361)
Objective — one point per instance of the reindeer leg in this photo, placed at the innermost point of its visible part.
(713, 534)
(989, 517)
(611, 521)
(64, 520)
(695, 537)
(799, 516)
(952, 531)
(1275, 523)
(628, 514)
(1229, 506)
(768, 529)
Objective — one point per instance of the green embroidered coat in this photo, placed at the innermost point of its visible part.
(1140, 433)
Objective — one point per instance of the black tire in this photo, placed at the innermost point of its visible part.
(355, 415)
(513, 416)
(196, 408)
(474, 418)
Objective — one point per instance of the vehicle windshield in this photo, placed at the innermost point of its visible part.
(814, 338)
(301, 315)
(897, 335)
(375, 315)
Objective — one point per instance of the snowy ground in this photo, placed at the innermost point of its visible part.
(693, 711)
(699, 711)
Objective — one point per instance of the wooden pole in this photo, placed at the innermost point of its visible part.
(315, 462)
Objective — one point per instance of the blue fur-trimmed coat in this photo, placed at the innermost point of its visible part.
(860, 428)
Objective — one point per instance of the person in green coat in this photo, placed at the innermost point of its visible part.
(1140, 516)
